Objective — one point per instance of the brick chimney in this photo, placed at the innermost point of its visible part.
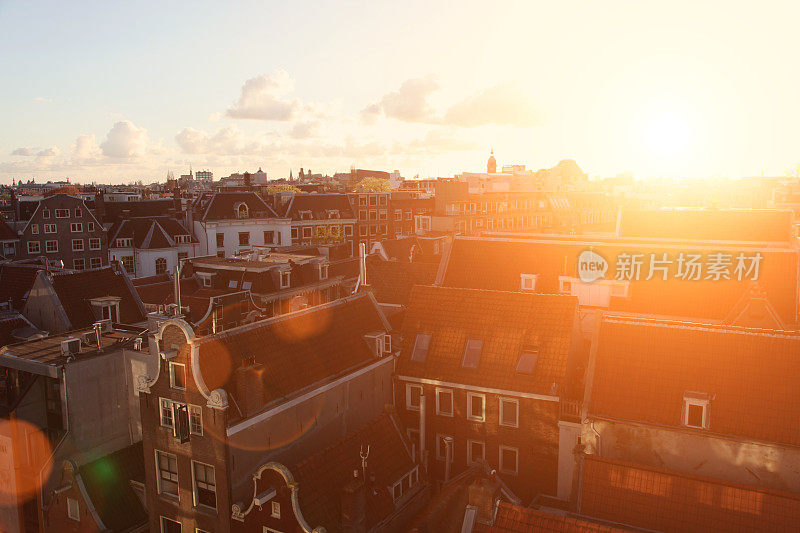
(354, 508)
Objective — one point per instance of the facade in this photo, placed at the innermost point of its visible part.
(281, 389)
(322, 220)
(404, 209)
(226, 223)
(62, 229)
(151, 246)
(9, 240)
(372, 213)
(480, 379)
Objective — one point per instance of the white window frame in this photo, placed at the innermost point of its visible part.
(76, 227)
(161, 522)
(502, 411)
(503, 468)
(73, 514)
(165, 406)
(470, 443)
(35, 229)
(78, 248)
(195, 499)
(158, 475)
(62, 211)
(90, 226)
(438, 403)
(195, 413)
(78, 212)
(95, 262)
(38, 249)
(47, 249)
(172, 365)
(699, 402)
(470, 397)
(288, 274)
(275, 509)
(79, 264)
(99, 243)
(409, 387)
(529, 280)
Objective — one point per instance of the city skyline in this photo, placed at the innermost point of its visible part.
(122, 93)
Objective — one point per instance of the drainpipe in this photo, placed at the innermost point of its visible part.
(98, 333)
(362, 259)
(178, 286)
(591, 426)
(448, 457)
(421, 427)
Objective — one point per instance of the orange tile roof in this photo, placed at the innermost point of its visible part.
(515, 519)
(644, 367)
(663, 500)
(505, 321)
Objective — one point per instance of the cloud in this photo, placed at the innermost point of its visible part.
(504, 104)
(86, 147)
(42, 100)
(304, 130)
(437, 141)
(226, 141)
(125, 140)
(263, 98)
(409, 103)
(23, 151)
(49, 152)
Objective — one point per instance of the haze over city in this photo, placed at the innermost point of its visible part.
(111, 92)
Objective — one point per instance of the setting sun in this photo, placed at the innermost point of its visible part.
(667, 134)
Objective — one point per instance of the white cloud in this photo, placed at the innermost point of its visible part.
(24, 151)
(42, 100)
(86, 147)
(125, 140)
(263, 98)
(226, 141)
(504, 104)
(49, 152)
(304, 130)
(409, 103)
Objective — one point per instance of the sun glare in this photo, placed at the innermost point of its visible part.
(667, 134)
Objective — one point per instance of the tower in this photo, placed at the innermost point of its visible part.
(491, 165)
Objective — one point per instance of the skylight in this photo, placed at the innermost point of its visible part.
(527, 361)
(472, 353)
(421, 344)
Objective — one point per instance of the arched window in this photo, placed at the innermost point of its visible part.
(161, 265)
(241, 210)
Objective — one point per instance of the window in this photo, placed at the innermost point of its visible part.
(244, 238)
(295, 235)
(62, 213)
(286, 278)
(472, 353)
(177, 375)
(441, 448)
(220, 240)
(35, 229)
(363, 231)
(695, 410)
(373, 200)
(421, 344)
(333, 213)
(167, 466)
(170, 526)
(167, 418)
(509, 412)
(90, 226)
(73, 509)
(205, 486)
(413, 394)
(232, 284)
(509, 458)
(276, 510)
(398, 214)
(476, 407)
(94, 243)
(127, 263)
(362, 214)
(76, 227)
(195, 420)
(247, 285)
(80, 264)
(49, 228)
(45, 213)
(527, 282)
(95, 262)
(413, 436)
(323, 272)
(382, 214)
(362, 200)
(348, 231)
(444, 402)
(307, 232)
(34, 247)
(161, 265)
(241, 211)
(77, 245)
(269, 237)
(124, 243)
(51, 247)
(476, 451)
(527, 361)
(78, 212)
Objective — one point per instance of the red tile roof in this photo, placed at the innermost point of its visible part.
(75, 288)
(318, 204)
(294, 350)
(6, 233)
(16, 281)
(220, 206)
(391, 281)
(322, 476)
(149, 232)
(663, 500)
(497, 263)
(505, 321)
(644, 367)
(515, 519)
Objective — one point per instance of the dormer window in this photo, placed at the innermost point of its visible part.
(124, 243)
(421, 344)
(527, 282)
(527, 360)
(177, 375)
(106, 308)
(333, 213)
(323, 271)
(696, 409)
(286, 278)
(241, 210)
(472, 353)
(305, 215)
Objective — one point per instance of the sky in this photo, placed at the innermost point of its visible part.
(117, 92)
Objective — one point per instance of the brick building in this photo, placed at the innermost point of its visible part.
(62, 228)
(492, 368)
(372, 214)
(321, 220)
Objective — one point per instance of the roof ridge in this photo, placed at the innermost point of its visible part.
(698, 326)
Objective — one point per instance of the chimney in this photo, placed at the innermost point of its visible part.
(354, 513)
(448, 457)
(482, 497)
